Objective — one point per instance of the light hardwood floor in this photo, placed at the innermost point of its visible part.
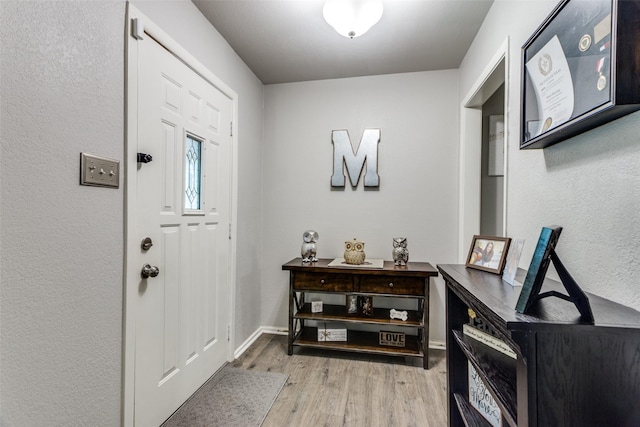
(330, 388)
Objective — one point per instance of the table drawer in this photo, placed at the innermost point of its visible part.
(323, 282)
(392, 285)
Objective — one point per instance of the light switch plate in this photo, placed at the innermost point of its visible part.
(99, 171)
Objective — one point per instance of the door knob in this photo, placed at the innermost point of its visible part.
(149, 271)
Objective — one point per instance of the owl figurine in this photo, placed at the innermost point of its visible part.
(400, 251)
(354, 252)
(309, 247)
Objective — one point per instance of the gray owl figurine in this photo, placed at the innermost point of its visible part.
(309, 247)
(400, 251)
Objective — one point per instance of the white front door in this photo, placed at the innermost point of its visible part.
(183, 206)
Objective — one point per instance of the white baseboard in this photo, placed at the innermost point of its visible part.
(274, 330)
(254, 336)
(437, 345)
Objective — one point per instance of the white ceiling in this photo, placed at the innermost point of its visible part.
(286, 41)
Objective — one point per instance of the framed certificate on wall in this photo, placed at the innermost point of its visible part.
(580, 70)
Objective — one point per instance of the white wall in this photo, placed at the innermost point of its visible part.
(588, 184)
(61, 253)
(417, 164)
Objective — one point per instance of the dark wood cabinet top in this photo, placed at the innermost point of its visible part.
(567, 372)
(416, 269)
(491, 295)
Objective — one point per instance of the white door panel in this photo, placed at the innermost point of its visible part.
(182, 314)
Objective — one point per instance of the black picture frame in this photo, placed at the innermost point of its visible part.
(579, 70)
(365, 304)
(544, 254)
(352, 304)
(538, 267)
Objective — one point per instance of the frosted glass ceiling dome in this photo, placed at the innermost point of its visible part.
(352, 18)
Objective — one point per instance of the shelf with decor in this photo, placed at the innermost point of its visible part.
(404, 282)
(470, 415)
(359, 341)
(497, 371)
(336, 313)
(547, 367)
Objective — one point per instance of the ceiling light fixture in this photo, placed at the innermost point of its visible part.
(352, 18)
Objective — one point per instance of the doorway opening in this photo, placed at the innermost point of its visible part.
(483, 153)
(492, 166)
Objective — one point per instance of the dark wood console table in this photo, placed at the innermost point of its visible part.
(411, 281)
(566, 372)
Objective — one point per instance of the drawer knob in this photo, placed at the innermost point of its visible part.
(391, 284)
(322, 281)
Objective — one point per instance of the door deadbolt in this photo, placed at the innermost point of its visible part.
(149, 271)
(144, 158)
(146, 243)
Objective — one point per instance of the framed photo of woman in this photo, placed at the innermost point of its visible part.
(352, 304)
(488, 253)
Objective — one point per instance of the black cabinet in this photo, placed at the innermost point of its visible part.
(565, 373)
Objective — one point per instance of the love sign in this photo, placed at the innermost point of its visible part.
(394, 339)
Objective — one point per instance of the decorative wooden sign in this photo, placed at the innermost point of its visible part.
(482, 400)
(393, 339)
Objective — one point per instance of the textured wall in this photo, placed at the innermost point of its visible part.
(588, 184)
(61, 255)
(417, 158)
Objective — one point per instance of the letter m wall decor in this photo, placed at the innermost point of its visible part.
(354, 161)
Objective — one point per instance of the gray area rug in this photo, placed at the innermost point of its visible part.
(232, 397)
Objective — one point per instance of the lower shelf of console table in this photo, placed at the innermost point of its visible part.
(402, 282)
(358, 341)
(335, 313)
